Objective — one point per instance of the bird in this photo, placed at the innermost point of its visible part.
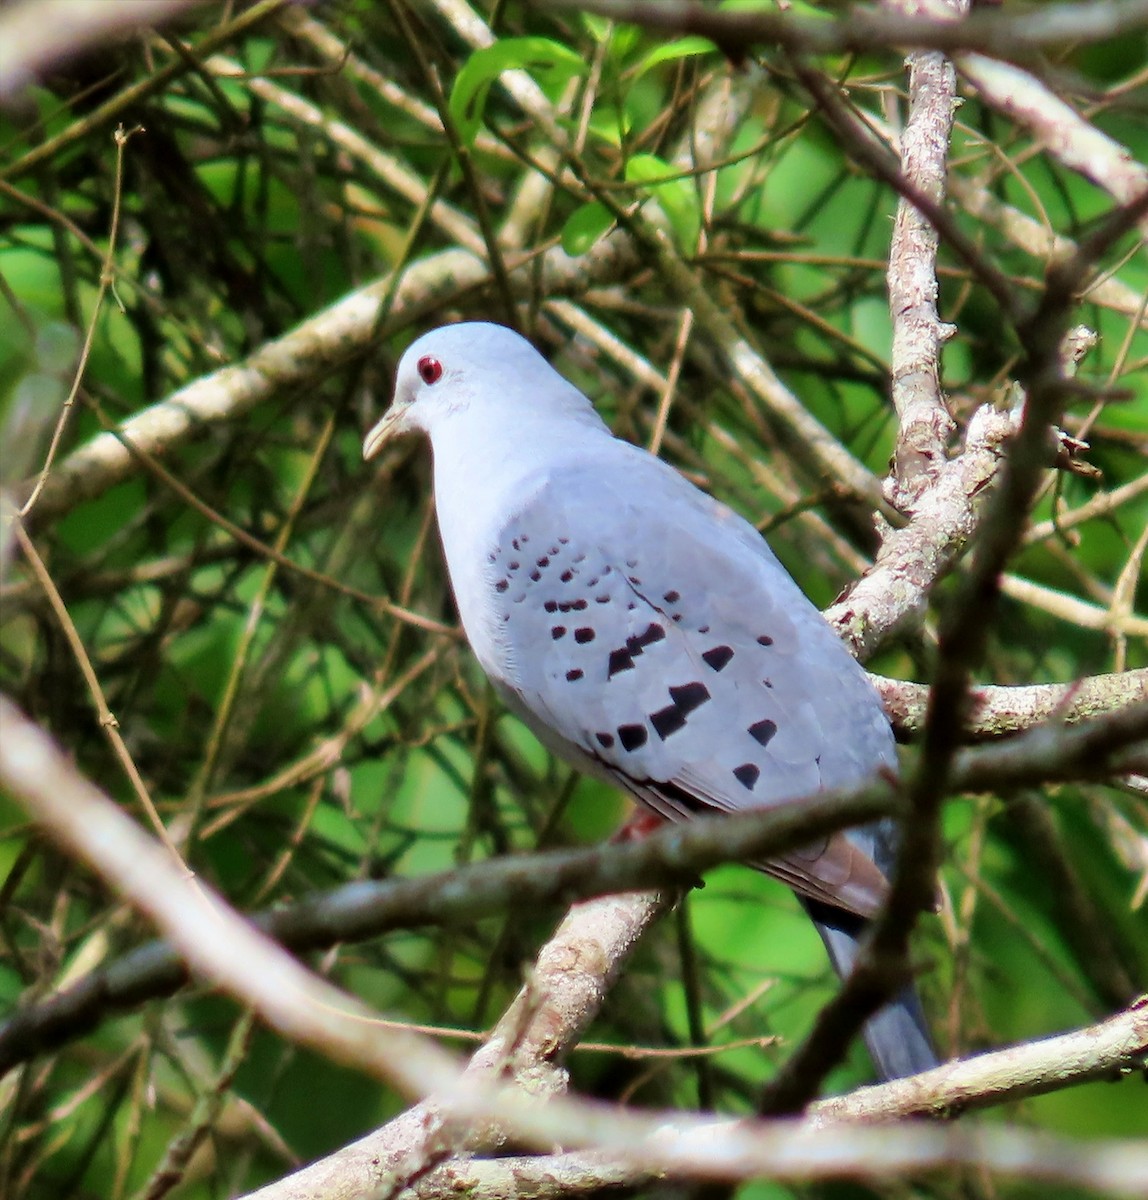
(644, 631)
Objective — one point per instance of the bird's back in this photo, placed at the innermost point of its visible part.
(646, 630)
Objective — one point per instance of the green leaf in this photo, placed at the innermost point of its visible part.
(610, 125)
(675, 196)
(599, 28)
(547, 61)
(624, 42)
(584, 227)
(685, 47)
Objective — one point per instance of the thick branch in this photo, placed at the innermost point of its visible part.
(832, 1141)
(1107, 1051)
(1003, 34)
(895, 592)
(997, 711)
(1092, 748)
(924, 424)
(669, 857)
(563, 993)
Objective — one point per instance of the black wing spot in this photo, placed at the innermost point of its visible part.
(620, 660)
(543, 562)
(672, 597)
(557, 631)
(667, 720)
(561, 542)
(703, 629)
(747, 775)
(553, 549)
(653, 632)
(601, 599)
(574, 675)
(635, 581)
(767, 682)
(718, 657)
(607, 569)
(583, 635)
(578, 605)
(536, 575)
(632, 736)
(502, 585)
(566, 576)
(551, 606)
(762, 731)
(516, 545)
(605, 740)
(765, 640)
(689, 696)
(513, 566)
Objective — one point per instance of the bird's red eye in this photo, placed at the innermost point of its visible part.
(430, 369)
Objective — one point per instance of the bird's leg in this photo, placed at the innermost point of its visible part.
(641, 823)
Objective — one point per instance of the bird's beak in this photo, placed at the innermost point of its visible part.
(391, 425)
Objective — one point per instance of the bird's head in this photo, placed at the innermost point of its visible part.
(452, 369)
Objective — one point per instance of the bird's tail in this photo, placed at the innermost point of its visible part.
(897, 1035)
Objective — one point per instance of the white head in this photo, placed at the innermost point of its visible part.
(470, 367)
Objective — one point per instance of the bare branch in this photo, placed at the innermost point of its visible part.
(925, 424)
(995, 711)
(680, 1146)
(1005, 34)
(1112, 1049)
(209, 936)
(1094, 747)
(37, 35)
(1068, 136)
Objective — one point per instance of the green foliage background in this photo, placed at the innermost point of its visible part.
(237, 221)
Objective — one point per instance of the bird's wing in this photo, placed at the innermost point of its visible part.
(644, 626)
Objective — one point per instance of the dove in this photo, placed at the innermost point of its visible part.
(644, 631)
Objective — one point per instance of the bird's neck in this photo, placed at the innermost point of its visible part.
(485, 473)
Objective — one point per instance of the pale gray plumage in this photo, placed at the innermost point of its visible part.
(643, 630)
